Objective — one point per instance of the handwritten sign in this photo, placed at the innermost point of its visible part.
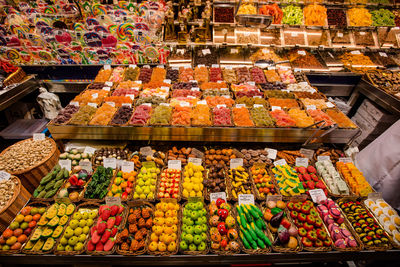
(127, 166)
(215, 196)
(65, 163)
(307, 152)
(234, 163)
(111, 201)
(323, 158)
(146, 151)
(302, 162)
(317, 195)
(4, 175)
(174, 164)
(86, 165)
(89, 150)
(246, 199)
(346, 160)
(38, 136)
(271, 153)
(280, 162)
(195, 161)
(110, 163)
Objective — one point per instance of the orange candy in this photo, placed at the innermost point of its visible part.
(354, 178)
(201, 115)
(282, 119)
(158, 75)
(213, 101)
(283, 103)
(155, 84)
(186, 74)
(342, 120)
(201, 74)
(181, 115)
(212, 85)
(91, 96)
(103, 76)
(118, 100)
(103, 115)
(319, 115)
(241, 117)
(128, 85)
(301, 117)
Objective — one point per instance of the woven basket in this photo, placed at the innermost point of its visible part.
(103, 253)
(178, 234)
(206, 193)
(257, 193)
(97, 200)
(130, 205)
(257, 251)
(230, 187)
(30, 177)
(178, 199)
(155, 191)
(89, 204)
(10, 252)
(194, 253)
(15, 77)
(14, 204)
(281, 249)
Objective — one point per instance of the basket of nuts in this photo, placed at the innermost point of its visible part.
(30, 160)
(13, 197)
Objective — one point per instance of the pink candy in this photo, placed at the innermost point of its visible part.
(222, 116)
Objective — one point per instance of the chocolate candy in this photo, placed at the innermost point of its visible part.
(122, 116)
(65, 114)
(273, 86)
(145, 75)
(173, 74)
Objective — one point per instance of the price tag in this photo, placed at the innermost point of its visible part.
(132, 66)
(215, 196)
(164, 104)
(202, 102)
(86, 165)
(375, 195)
(109, 84)
(302, 162)
(220, 106)
(74, 103)
(201, 65)
(107, 67)
(184, 104)
(280, 162)
(346, 160)
(195, 89)
(271, 153)
(214, 66)
(89, 150)
(228, 67)
(146, 66)
(111, 201)
(197, 153)
(95, 95)
(266, 51)
(160, 66)
(110, 163)
(271, 68)
(127, 166)
(131, 97)
(174, 164)
(106, 89)
(65, 163)
(180, 51)
(297, 70)
(246, 199)
(301, 52)
(339, 35)
(4, 175)
(257, 96)
(147, 104)
(38, 136)
(317, 195)
(167, 81)
(294, 34)
(234, 51)
(303, 84)
(329, 104)
(165, 88)
(323, 158)
(274, 198)
(363, 33)
(257, 106)
(146, 151)
(240, 105)
(126, 105)
(356, 52)
(220, 82)
(206, 52)
(195, 161)
(111, 104)
(382, 54)
(226, 96)
(275, 108)
(251, 83)
(234, 163)
(307, 152)
(311, 107)
(138, 82)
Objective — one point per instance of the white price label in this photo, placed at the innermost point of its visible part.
(146, 66)
(86, 165)
(206, 51)
(89, 150)
(201, 66)
(266, 51)
(126, 105)
(193, 81)
(195, 89)
(363, 33)
(271, 153)
(329, 104)
(180, 51)
(246, 199)
(317, 195)
(294, 34)
(234, 51)
(127, 166)
(257, 106)
(164, 104)
(167, 81)
(311, 107)
(110, 163)
(228, 67)
(165, 88)
(195, 161)
(146, 104)
(301, 52)
(302, 162)
(274, 198)
(215, 196)
(107, 67)
(74, 103)
(111, 201)
(95, 95)
(109, 84)
(382, 54)
(234, 163)
(240, 105)
(220, 106)
(339, 34)
(275, 108)
(346, 160)
(215, 66)
(280, 162)
(323, 158)
(38, 136)
(138, 82)
(160, 66)
(356, 52)
(4, 175)
(131, 97)
(111, 104)
(251, 83)
(174, 164)
(271, 68)
(184, 104)
(146, 151)
(132, 66)
(106, 89)
(307, 152)
(202, 102)
(65, 163)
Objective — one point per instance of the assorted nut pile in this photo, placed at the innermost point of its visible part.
(6, 191)
(25, 155)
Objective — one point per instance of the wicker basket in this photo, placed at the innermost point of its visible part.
(10, 252)
(15, 77)
(89, 204)
(206, 193)
(132, 205)
(257, 193)
(103, 253)
(14, 204)
(284, 249)
(97, 200)
(31, 176)
(230, 186)
(178, 234)
(178, 199)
